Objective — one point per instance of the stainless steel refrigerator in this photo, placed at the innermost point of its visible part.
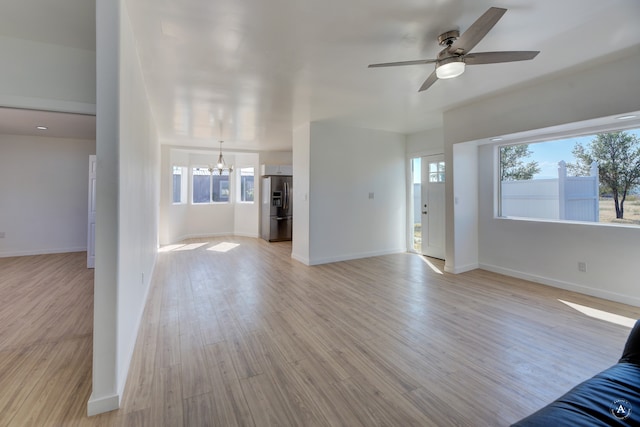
(277, 209)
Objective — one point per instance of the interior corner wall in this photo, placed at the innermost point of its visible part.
(44, 188)
(301, 194)
(105, 390)
(357, 197)
(127, 189)
(548, 252)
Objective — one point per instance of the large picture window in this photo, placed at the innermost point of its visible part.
(593, 178)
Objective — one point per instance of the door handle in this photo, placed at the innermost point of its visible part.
(424, 212)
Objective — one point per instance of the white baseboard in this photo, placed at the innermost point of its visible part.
(252, 235)
(460, 269)
(31, 252)
(180, 239)
(348, 257)
(574, 287)
(99, 405)
(301, 259)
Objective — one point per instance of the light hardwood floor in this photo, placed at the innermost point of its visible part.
(248, 336)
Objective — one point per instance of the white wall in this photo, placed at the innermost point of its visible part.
(425, 143)
(45, 76)
(104, 394)
(139, 191)
(346, 165)
(462, 209)
(301, 174)
(246, 220)
(276, 157)
(548, 252)
(127, 199)
(43, 194)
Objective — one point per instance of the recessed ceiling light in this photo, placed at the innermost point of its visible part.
(497, 138)
(42, 127)
(627, 117)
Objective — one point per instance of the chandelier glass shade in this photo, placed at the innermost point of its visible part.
(221, 166)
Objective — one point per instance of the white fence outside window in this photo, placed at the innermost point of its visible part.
(572, 198)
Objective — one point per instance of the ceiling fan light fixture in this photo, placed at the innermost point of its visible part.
(450, 67)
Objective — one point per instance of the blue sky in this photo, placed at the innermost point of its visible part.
(548, 154)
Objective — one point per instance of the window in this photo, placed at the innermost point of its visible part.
(246, 184)
(592, 178)
(179, 187)
(210, 186)
(436, 172)
(220, 185)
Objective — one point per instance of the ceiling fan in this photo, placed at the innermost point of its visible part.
(452, 59)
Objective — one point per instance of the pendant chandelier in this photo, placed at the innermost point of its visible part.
(221, 166)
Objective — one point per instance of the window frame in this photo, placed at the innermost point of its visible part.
(184, 184)
(211, 172)
(240, 195)
(573, 131)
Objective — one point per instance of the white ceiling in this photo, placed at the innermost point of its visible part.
(58, 125)
(257, 69)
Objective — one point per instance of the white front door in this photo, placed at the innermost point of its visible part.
(432, 208)
(91, 223)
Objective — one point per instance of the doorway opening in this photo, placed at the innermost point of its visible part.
(428, 205)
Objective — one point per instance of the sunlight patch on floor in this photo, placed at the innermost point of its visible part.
(170, 248)
(430, 264)
(601, 314)
(223, 247)
(182, 247)
(191, 246)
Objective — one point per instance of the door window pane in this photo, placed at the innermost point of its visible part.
(436, 172)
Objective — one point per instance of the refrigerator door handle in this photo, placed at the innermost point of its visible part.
(286, 196)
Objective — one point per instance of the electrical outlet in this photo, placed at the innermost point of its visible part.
(371, 195)
(582, 266)
(2, 235)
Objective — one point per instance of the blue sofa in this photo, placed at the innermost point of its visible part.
(611, 398)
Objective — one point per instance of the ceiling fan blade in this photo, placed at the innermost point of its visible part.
(430, 80)
(496, 57)
(477, 31)
(394, 64)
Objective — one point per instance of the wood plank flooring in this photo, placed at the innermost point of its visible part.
(46, 326)
(245, 336)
